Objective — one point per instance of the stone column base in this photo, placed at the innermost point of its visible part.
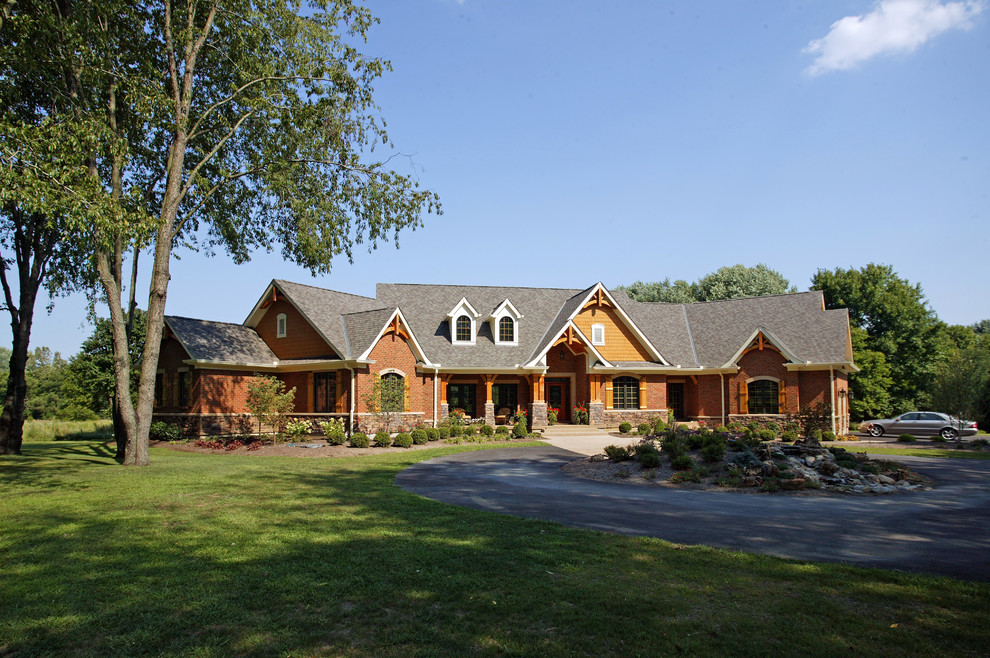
(538, 415)
(490, 413)
(444, 410)
(596, 414)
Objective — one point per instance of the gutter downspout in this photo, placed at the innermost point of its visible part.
(436, 371)
(831, 392)
(721, 381)
(350, 414)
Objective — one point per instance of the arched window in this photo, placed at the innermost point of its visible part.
(393, 392)
(764, 397)
(625, 393)
(506, 330)
(463, 329)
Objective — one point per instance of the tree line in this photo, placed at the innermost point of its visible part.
(908, 358)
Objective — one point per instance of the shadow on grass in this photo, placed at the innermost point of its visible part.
(266, 556)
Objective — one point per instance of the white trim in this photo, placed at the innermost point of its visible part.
(417, 348)
(773, 340)
(625, 318)
(391, 371)
(763, 378)
(453, 330)
(570, 324)
(600, 327)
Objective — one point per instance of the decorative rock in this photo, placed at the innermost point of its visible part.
(885, 480)
(792, 484)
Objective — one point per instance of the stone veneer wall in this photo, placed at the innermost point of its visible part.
(615, 417)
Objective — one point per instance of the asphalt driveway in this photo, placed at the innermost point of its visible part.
(945, 531)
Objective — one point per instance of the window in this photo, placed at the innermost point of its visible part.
(160, 389)
(764, 397)
(597, 334)
(325, 392)
(463, 329)
(625, 393)
(393, 392)
(461, 396)
(506, 330)
(505, 396)
(185, 378)
(280, 323)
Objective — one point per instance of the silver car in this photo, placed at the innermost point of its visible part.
(923, 423)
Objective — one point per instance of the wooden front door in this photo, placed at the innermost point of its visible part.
(675, 400)
(558, 394)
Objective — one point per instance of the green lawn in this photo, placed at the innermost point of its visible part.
(949, 453)
(218, 554)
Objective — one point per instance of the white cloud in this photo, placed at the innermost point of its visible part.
(894, 26)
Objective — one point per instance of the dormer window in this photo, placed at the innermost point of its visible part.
(504, 322)
(597, 334)
(506, 330)
(463, 323)
(280, 323)
(463, 331)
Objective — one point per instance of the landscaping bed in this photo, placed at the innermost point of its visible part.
(702, 459)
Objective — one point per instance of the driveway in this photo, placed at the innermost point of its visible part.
(945, 531)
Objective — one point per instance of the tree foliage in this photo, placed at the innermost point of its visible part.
(729, 282)
(386, 400)
(219, 124)
(269, 402)
(898, 324)
(961, 385)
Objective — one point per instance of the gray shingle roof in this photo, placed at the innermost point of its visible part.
(220, 341)
(324, 309)
(425, 307)
(363, 327)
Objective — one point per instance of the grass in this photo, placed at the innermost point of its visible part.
(67, 430)
(211, 555)
(948, 453)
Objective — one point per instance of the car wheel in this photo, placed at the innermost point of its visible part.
(949, 433)
(876, 430)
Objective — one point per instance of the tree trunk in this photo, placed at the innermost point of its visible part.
(12, 418)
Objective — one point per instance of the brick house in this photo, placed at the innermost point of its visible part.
(488, 351)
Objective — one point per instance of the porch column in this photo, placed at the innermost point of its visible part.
(596, 408)
(444, 409)
(489, 403)
(538, 408)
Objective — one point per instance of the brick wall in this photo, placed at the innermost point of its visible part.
(301, 341)
(170, 360)
(393, 352)
(761, 363)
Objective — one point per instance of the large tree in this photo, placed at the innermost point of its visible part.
(241, 124)
(729, 282)
(899, 325)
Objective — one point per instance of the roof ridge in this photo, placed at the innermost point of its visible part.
(185, 317)
(467, 285)
(339, 292)
(736, 299)
(371, 310)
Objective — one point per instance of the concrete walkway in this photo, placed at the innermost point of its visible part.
(945, 531)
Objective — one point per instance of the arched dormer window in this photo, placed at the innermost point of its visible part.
(280, 325)
(463, 330)
(506, 330)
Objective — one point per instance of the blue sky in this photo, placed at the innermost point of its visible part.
(572, 142)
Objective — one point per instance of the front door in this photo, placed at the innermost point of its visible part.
(675, 400)
(558, 397)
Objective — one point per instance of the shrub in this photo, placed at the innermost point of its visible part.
(383, 439)
(906, 438)
(789, 435)
(470, 430)
(165, 432)
(773, 426)
(487, 430)
(618, 453)
(828, 435)
(419, 437)
(659, 426)
(938, 438)
(686, 476)
(456, 430)
(754, 426)
(644, 429)
(454, 440)
(650, 459)
(443, 432)
(502, 429)
(766, 435)
(625, 428)
(519, 430)
(672, 445)
(360, 440)
(432, 434)
(333, 430)
(721, 429)
(713, 448)
(682, 463)
(694, 441)
(297, 428)
(403, 440)
(815, 434)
